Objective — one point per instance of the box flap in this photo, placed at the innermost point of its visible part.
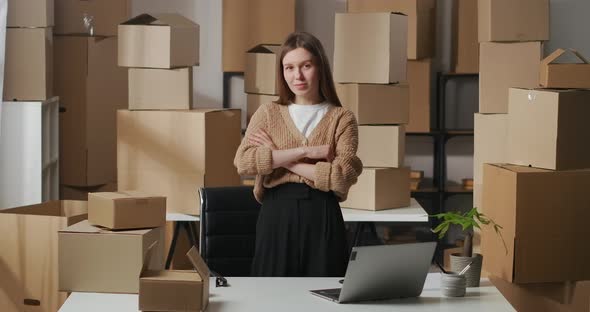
(85, 227)
(559, 52)
(124, 194)
(265, 48)
(147, 258)
(142, 19)
(164, 19)
(201, 267)
(521, 169)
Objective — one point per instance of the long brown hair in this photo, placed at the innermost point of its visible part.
(314, 46)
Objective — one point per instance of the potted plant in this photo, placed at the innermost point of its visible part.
(468, 221)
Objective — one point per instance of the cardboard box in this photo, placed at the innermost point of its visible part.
(420, 86)
(261, 70)
(247, 23)
(382, 146)
(159, 41)
(380, 189)
(28, 72)
(67, 192)
(503, 66)
(543, 214)
(176, 290)
(375, 103)
(154, 88)
(465, 44)
(546, 128)
(98, 260)
(565, 75)
(490, 142)
(28, 261)
(370, 47)
(30, 13)
(126, 210)
(91, 88)
(254, 101)
(421, 21)
(506, 20)
(174, 152)
(105, 15)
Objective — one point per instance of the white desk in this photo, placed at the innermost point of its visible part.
(413, 213)
(247, 294)
(174, 216)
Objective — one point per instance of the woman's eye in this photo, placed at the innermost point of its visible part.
(307, 66)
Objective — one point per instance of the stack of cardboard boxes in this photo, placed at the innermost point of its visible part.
(260, 78)
(378, 96)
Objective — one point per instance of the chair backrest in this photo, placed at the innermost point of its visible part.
(228, 229)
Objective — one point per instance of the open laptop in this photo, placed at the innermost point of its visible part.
(383, 272)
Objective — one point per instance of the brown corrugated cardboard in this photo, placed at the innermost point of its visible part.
(507, 20)
(565, 75)
(247, 23)
(174, 152)
(503, 66)
(261, 70)
(420, 81)
(421, 21)
(176, 290)
(126, 210)
(97, 260)
(543, 214)
(382, 146)
(91, 88)
(159, 41)
(30, 13)
(254, 101)
(379, 189)
(28, 261)
(370, 47)
(376, 103)
(465, 44)
(547, 126)
(81, 192)
(155, 88)
(105, 15)
(28, 72)
(490, 142)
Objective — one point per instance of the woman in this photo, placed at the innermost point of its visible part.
(302, 149)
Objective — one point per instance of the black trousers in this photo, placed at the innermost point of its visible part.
(300, 232)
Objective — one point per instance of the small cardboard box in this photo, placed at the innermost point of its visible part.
(175, 290)
(92, 259)
(28, 72)
(370, 48)
(543, 214)
(565, 75)
(507, 20)
(376, 103)
(465, 44)
(261, 70)
(503, 66)
(546, 128)
(382, 146)
(420, 86)
(380, 189)
(254, 101)
(126, 210)
(30, 13)
(103, 15)
(159, 41)
(155, 88)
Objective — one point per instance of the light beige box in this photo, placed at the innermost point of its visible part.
(370, 48)
(506, 20)
(261, 70)
(420, 84)
(126, 210)
(421, 21)
(382, 146)
(155, 88)
(174, 152)
(92, 259)
(503, 66)
(30, 13)
(380, 189)
(376, 103)
(165, 40)
(546, 128)
(28, 71)
(465, 42)
(103, 15)
(29, 267)
(565, 75)
(490, 142)
(254, 101)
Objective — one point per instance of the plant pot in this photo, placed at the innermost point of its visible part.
(452, 285)
(473, 274)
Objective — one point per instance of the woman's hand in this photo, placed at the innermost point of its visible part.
(261, 138)
(320, 152)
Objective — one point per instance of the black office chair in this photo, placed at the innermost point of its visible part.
(228, 229)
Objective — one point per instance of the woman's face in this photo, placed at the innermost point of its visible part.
(302, 76)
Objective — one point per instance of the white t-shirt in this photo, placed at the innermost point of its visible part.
(307, 117)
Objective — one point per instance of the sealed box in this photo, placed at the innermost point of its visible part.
(370, 48)
(380, 189)
(155, 88)
(30, 13)
(506, 20)
(382, 146)
(465, 43)
(420, 87)
(376, 103)
(90, 17)
(126, 210)
(565, 75)
(261, 70)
